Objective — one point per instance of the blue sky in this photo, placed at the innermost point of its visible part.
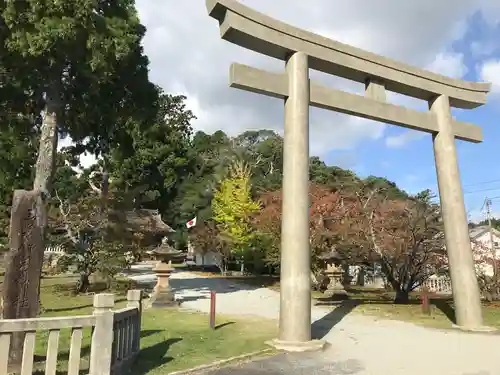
(411, 165)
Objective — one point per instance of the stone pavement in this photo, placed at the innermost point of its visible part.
(293, 364)
(329, 363)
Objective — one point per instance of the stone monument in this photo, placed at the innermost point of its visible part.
(302, 50)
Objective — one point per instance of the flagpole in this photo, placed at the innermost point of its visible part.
(189, 224)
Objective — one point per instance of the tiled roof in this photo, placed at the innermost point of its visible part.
(142, 220)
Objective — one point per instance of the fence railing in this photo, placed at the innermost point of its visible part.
(115, 339)
(438, 285)
(126, 333)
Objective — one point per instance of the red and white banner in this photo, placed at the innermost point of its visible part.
(191, 223)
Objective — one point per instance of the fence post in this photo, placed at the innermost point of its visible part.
(212, 309)
(102, 338)
(134, 299)
(426, 307)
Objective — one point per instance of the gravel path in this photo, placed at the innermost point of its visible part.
(359, 344)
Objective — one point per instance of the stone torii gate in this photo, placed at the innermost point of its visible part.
(302, 50)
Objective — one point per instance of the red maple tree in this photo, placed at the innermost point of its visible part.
(404, 237)
(329, 210)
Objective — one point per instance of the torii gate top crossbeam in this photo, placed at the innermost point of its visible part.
(253, 30)
(276, 85)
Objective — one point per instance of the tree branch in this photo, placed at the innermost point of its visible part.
(64, 216)
(92, 185)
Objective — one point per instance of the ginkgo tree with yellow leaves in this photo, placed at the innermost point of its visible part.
(232, 208)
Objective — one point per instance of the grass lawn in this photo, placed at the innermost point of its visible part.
(378, 303)
(439, 317)
(170, 339)
(179, 340)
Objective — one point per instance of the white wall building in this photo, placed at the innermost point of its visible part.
(210, 258)
(483, 248)
(483, 253)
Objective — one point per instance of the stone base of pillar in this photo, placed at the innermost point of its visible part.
(297, 346)
(480, 329)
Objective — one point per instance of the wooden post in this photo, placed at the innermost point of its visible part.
(102, 338)
(426, 307)
(212, 309)
(134, 299)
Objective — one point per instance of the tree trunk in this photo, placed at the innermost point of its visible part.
(402, 296)
(83, 284)
(24, 263)
(109, 281)
(47, 150)
(220, 266)
(223, 266)
(27, 232)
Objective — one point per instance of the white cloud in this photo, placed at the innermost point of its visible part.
(490, 72)
(401, 140)
(64, 142)
(449, 64)
(86, 159)
(188, 56)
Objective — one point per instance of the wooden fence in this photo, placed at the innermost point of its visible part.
(114, 344)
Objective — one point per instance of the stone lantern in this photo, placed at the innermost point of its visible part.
(334, 271)
(163, 296)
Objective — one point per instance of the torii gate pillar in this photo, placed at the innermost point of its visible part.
(295, 304)
(461, 263)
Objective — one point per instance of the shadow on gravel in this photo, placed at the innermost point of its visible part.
(200, 287)
(321, 327)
